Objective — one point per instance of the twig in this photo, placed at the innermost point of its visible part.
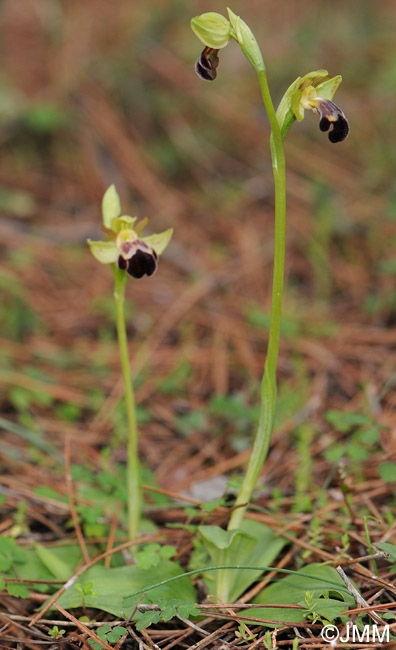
(212, 637)
(151, 643)
(142, 645)
(83, 627)
(379, 555)
(192, 625)
(358, 598)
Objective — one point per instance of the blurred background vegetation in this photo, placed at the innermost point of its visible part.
(96, 92)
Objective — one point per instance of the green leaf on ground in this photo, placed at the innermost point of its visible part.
(292, 590)
(113, 584)
(18, 590)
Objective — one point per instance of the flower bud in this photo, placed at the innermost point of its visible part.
(246, 40)
(212, 29)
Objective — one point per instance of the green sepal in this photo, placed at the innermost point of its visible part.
(123, 223)
(242, 33)
(285, 114)
(159, 241)
(105, 252)
(212, 29)
(111, 206)
(327, 89)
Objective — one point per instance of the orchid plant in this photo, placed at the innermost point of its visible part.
(314, 91)
(129, 253)
(245, 542)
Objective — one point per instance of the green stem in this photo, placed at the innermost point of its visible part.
(133, 467)
(268, 384)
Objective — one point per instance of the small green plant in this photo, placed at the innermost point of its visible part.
(56, 633)
(109, 635)
(363, 437)
(166, 610)
(130, 254)
(313, 91)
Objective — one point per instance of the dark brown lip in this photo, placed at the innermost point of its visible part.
(207, 63)
(138, 259)
(332, 116)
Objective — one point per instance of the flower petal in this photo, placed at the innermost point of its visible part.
(123, 223)
(159, 241)
(105, 252)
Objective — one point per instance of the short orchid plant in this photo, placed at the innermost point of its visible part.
(129, 253)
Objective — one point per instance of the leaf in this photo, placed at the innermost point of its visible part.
(387, 472)
(149, 556)
(209, 506)
(50, 493)
(5, 563)
(369, 436)
(103, 631)
(255, 544)
(167, 551)
(111, 206)
(18, 590)
(59, 569)
(188, 609)
(34, 569)
(2, 584)
(328, 608)
(147, 619)
(168, 613)
(10, 549)
(105, 252)
(159, 241)
(116, 633)
(292, 590)
(344, 421)
(95, 645)
(114, 586)
(171, 608)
